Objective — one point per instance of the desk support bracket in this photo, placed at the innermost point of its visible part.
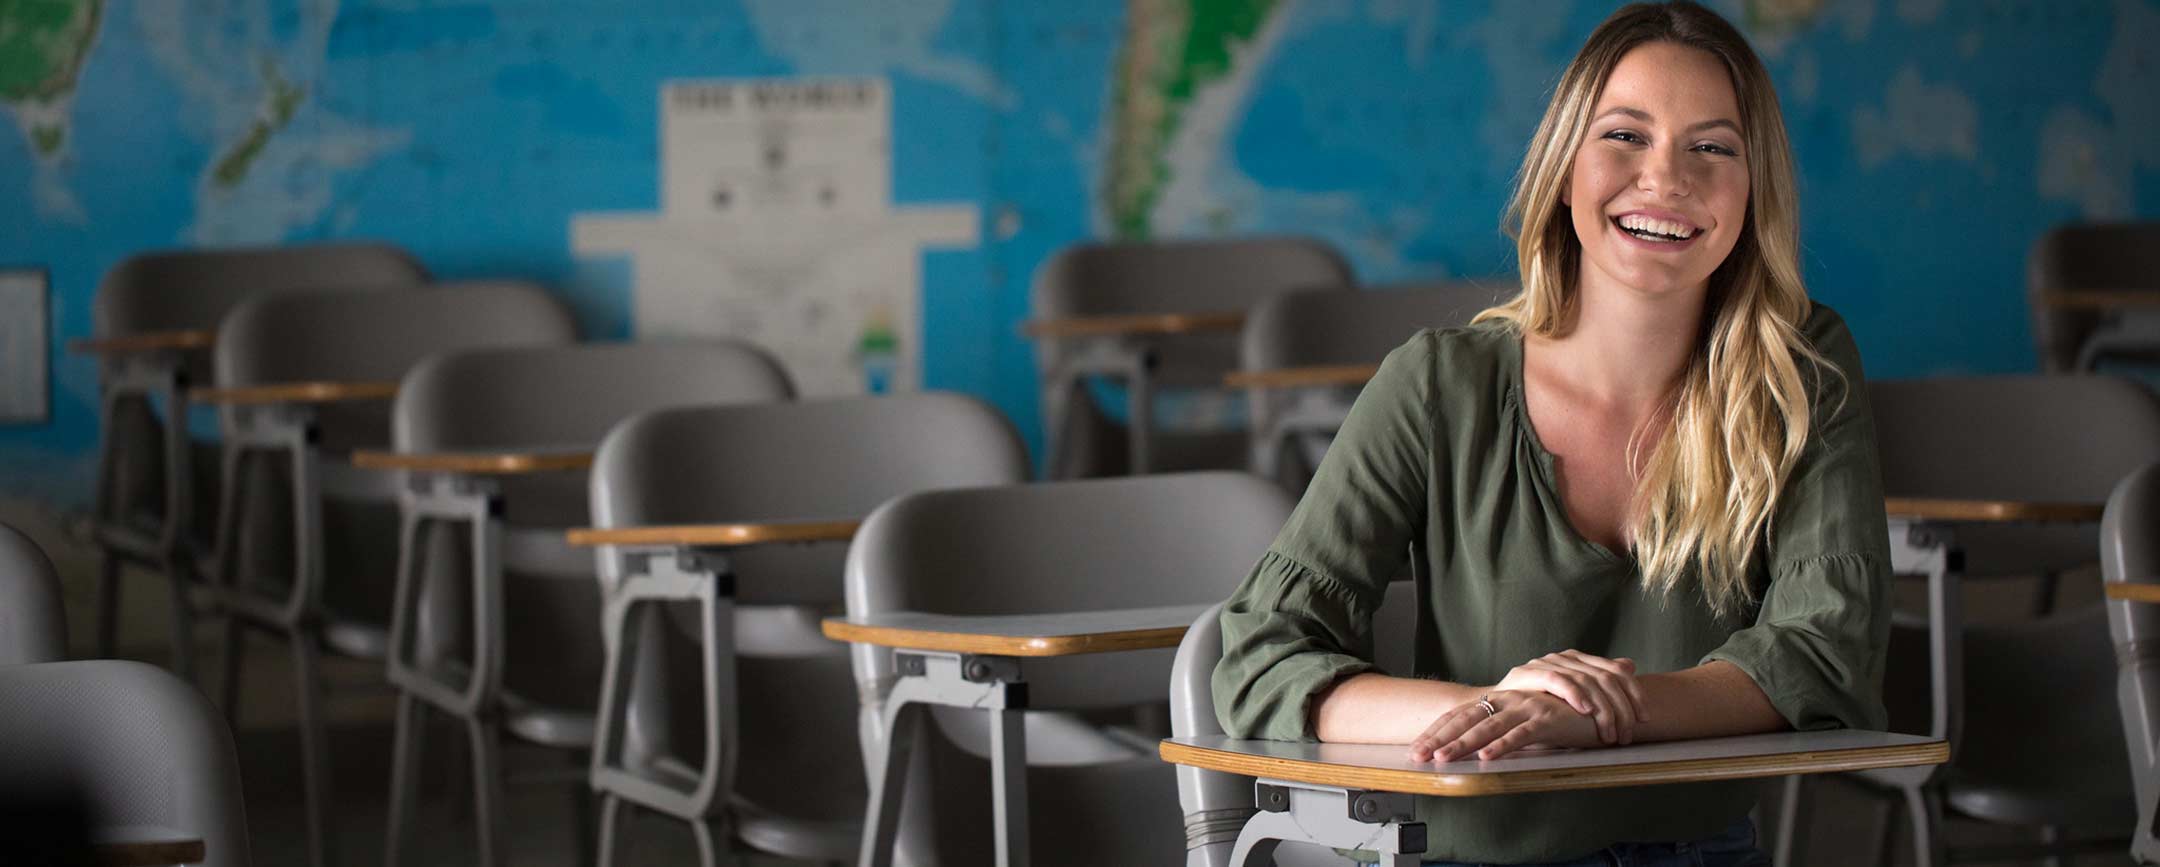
(1332, 816)
(987, 683)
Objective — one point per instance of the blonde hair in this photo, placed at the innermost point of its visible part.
(1738, 418)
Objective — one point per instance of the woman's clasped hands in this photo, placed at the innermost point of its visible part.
(1564, 699)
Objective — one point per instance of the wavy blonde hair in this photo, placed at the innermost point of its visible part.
(1739, 415)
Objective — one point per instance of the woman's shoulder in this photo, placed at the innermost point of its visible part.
(1826, 333)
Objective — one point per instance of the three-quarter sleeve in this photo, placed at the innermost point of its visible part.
(1818, 642)
(1302, 619)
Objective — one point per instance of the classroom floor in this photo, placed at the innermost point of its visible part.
(541, 827)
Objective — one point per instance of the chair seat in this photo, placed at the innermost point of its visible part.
(833, 841)
(356, 639)
(136, 540)
(2061, 802)
(562, 728)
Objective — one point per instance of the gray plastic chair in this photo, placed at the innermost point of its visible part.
(152, 477)
(1103, 279)
(2050, 439)
(1335, 326)
(33, 628)
(2094, 257)
(140, 749)
(2130, 554)
(525, 606)
(1095, 789)
(760, 770)
(1216, 804)
(307, 542)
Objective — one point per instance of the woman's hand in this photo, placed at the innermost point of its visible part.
(1603, 689)
(1520, 719)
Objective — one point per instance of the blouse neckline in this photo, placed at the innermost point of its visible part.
(1526, 436)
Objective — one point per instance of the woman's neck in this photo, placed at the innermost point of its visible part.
(1627, 348)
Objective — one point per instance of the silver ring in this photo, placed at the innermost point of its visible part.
(1484, 703)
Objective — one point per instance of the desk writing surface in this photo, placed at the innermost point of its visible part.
(1387, 767)
(148, 341)
(718, 535)
(1302, 377)
(1134, 324)
(2134, 592)
(296, 392)
(1992, 511)
(477, 463)
(2102, 299)
(1031, 635)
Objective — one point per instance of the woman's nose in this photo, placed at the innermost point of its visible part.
(1663, 174)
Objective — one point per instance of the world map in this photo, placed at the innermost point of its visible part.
(1936, 141)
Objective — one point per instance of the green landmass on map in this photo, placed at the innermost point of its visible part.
(232, 168)
(42, 46)
(1172, 50)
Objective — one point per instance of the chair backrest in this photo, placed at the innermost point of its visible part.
(1173, 539)
(2031, 438)
(567, 396)
(2095, 257)
(141, 749)
(33, 628)
(1320, 326)
(194, 289)
(377, 336)
(1179, 277)
(2130, 554)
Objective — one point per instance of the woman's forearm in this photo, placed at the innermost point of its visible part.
(1710, 700)
(1378, 709)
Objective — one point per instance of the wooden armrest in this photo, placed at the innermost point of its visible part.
(2134, 592)
(1134, 324)
(1302, 377)
(475, 463)
(2101, 299)
(1031, 635)
(149, 341)
(296, 392)
(1992, 511)
(718, 535)
(1388, 768)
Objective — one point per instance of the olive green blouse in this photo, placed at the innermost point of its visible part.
(1438, 461)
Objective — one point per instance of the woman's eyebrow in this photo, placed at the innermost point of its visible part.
(1646, 117)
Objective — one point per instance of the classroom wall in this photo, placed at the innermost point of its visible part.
(972, 138)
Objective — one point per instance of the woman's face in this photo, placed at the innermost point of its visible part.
(1659, 190)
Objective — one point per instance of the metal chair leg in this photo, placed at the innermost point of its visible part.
(611, 819)
(1792, 823)
(581, 812)
(314, 749)
(406, 751)
(108, 622)
(235, 660)
(1886, 833)
(707, 849)
(487, 782)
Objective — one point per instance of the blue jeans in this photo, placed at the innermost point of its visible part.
(1732, 847)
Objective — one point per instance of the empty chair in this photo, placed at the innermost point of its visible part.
(2032, 439)
(134, 747)
(33, 628)
(155, 484)
(750, 728)
(2130, 555)
(1108, 279)
(1328, 327)
(538, 599)
(1101, 795)
(2093, 262)
(307, 542)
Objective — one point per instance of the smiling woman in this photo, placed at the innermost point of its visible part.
(1638, 499)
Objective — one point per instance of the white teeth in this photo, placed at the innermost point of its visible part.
(1638, 224)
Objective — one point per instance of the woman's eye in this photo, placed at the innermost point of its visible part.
(1715, 148)
(1624, 135)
